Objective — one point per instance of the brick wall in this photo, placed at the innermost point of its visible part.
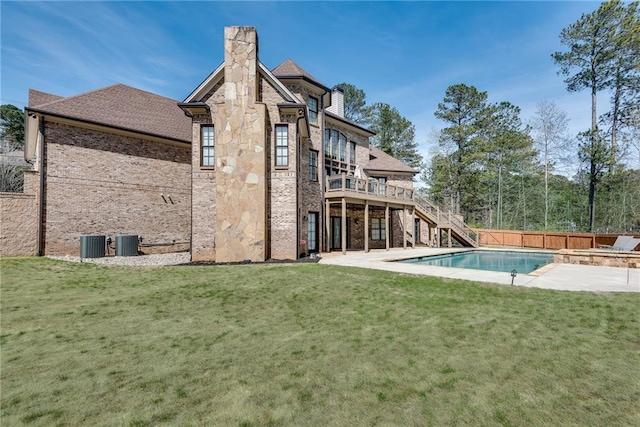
(310, 193)
(18, 224)
(203, 190)
(283, 221)
(426, 234)
(400, 180)
(102, 183)
(355, 229)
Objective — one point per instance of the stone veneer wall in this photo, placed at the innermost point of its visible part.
(598, 257)
(240, 172)
(107, 184)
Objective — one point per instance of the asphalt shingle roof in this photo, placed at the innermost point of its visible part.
(38, 98)
(290, 69)
(379, 160)
(123, 107)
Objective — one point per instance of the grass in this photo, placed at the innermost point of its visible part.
(307, 344)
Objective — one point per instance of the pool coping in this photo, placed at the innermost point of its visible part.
(568, 277)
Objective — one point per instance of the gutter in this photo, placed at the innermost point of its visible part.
(41, 200)
(333, 116)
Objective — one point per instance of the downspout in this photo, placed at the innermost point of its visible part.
(299, 214)
(191, 191)
(41, 190)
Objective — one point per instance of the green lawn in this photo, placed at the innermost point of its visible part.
(307, 344)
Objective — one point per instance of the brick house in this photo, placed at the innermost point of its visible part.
(278, 172)
(111, 161)
(254, 164)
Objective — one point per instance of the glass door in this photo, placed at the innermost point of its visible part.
(312, 232)
(336, 232)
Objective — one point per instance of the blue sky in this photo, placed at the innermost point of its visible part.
(402, 53)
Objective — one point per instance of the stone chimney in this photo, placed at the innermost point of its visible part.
(240, 144)
(241, 64)
(337, 101)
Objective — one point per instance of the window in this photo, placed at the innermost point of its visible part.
(206, 146)
(312, 232)
(313, 165)
(327, 142)
(282, 145)
(343, 148)
(377, 229)
(312, 103)
(339, 151)
(382, 185)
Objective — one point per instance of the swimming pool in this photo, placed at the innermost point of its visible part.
(522, 262)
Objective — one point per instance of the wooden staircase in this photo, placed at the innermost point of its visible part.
(433, 215)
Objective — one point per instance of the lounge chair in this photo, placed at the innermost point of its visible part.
(630, 245)
(622, 243)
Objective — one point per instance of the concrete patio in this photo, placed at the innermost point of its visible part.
(565, 277)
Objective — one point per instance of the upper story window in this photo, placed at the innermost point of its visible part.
(312, 103)
(313, 165)
(382, 180)
(339, 152)
(343, 148)
(327, 142)
(282, 145)
(381, 186)
(334, 144)
(207, 146)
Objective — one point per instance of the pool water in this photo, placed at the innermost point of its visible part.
(522, 262)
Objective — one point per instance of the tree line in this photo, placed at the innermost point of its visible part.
(11, 141)
(498, 171)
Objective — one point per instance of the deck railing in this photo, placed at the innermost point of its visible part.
(373, 187)
(441, 217)
(367, 186)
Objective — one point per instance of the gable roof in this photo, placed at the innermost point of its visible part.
(218, 75)
(123, 107)
(381, 161)
(37, 97)
(290, 70)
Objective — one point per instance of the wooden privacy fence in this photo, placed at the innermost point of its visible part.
(544, 240)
